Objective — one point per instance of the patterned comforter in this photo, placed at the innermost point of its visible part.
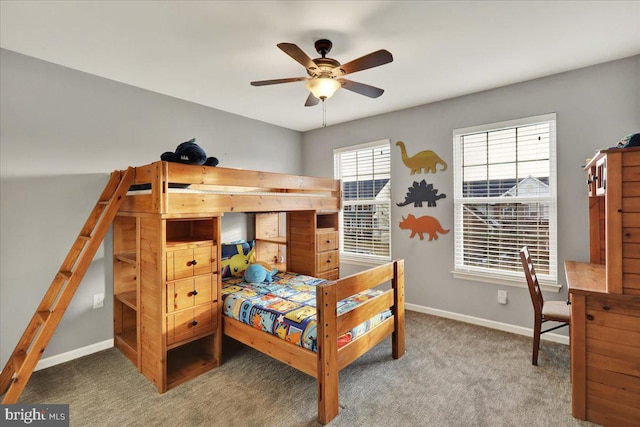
(286, 308)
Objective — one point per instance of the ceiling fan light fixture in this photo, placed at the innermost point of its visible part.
(323, 87)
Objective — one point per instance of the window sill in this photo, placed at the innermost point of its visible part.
(506, 281)
(366, 261)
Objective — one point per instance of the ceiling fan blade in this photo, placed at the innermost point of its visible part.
(361, 88)
(278, 81)
(298, 54)
(311, 101)
(374, 59)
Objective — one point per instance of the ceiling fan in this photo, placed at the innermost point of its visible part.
(325, 73)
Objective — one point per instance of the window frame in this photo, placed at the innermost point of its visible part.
(351, 257)
(548, 282)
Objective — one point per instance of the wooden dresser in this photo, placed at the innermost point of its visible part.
(166, 295)
(313, 244)
(605, 295)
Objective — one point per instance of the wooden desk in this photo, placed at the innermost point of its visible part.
(583, 277)
(605, 348)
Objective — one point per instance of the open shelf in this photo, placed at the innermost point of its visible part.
(190, 231)
(190, 360)
(127, 343)
(271, 239)
(128, 298)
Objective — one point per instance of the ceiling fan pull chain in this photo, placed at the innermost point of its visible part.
(324, 114)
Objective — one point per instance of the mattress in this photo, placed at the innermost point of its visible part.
(286, 308)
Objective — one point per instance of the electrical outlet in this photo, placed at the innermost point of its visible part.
(502, 297)
(98, 301)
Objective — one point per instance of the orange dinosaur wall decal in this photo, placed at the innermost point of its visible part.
(421, 225)
(427, 160)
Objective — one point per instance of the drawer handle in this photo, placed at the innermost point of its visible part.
(606, 308)
(329, 241)
(194, 262)
(329, 260)
(194, 323)
(590, 317)
(194, 293)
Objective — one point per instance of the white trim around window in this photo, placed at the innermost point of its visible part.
(505, 197)
(365, 220)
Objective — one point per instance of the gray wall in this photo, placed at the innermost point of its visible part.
(62, 132)
(595, 107)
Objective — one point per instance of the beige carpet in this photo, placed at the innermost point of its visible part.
(453, 374)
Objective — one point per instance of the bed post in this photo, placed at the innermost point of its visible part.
(398, 302)
(326, 302)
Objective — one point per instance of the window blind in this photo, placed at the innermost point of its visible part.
(505, 197)
(365, 174)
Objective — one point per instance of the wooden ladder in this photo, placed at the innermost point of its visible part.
(45, 320)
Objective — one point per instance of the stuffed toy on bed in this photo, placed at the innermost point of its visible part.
(189, 153)
(259, 272)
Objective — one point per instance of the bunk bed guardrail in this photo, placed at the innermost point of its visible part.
(227, 190)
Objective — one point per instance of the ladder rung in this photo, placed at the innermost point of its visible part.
(103, 202)
(66, 275)
(43, 315)
(83, 237)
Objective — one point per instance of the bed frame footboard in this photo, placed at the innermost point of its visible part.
(329, 360)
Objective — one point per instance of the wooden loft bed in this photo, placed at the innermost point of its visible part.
(170, 342)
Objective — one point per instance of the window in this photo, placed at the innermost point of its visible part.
(365, 172)
(505, 198)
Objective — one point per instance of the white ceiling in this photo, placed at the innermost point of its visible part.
(207, 52)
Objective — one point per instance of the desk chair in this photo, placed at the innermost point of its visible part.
(555, 311)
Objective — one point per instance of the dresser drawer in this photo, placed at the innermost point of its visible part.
(190, 323)
(330, 275)
(327, 261)
(190, 292)
(183, 263)
(326, 241)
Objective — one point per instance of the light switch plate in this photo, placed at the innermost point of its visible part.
(502, 297)
(98, 301)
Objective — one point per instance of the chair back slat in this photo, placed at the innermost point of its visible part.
(532, 280)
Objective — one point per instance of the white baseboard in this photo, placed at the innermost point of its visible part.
(562, 339)
(73, 354)
(103, 345)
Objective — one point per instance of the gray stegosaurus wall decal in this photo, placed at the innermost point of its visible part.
(422, 192)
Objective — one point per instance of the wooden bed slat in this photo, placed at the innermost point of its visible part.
(293, 355)
(239, 177)
(181, 202)
(368, 279)
(364, 312)
(364, 343)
